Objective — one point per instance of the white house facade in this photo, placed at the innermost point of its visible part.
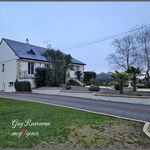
(19, 60)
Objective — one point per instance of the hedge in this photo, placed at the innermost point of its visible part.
(22, 86)
(94, 88)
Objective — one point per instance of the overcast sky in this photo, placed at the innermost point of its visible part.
(69, 24)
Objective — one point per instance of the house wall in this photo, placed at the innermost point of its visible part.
(8, 58)
(23, 69)
(24, 64)
(76, 67)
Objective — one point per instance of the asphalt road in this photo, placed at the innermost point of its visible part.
(131, 111)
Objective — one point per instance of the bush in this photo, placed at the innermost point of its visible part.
(143, 86)
(22, 86)
(112, 83)
(94, 88)
(117, 87)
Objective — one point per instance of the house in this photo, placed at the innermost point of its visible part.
(18, 61)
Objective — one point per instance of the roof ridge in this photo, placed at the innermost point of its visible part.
(23, 43)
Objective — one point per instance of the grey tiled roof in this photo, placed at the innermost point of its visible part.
(22, 49)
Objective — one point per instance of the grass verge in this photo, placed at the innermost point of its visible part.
(68, 128)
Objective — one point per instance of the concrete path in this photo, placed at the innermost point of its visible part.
(118, 109)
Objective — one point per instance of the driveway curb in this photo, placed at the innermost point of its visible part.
(123, 96)
(145, 129)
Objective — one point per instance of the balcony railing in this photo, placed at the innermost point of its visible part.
(25, 75)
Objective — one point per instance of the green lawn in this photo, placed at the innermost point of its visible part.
(68, 128)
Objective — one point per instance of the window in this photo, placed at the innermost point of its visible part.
(31, 52)
(30, 68)
(46, 65)
(3, 67)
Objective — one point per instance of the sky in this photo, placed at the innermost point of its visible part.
(68, 24)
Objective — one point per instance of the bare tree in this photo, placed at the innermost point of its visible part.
(125, 54)
(143, 41)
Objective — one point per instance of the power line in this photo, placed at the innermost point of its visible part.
(83, 44)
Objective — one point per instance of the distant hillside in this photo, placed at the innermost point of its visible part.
(104, 77)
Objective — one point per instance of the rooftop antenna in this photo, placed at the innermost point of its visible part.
(49, 46)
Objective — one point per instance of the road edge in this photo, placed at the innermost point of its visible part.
(74, 108)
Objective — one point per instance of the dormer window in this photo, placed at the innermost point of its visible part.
(31, 52)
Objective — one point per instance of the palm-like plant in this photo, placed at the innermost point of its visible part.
(78, 74)
(134, 72)
(121, 77)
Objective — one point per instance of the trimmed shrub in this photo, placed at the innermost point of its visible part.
(117, 87)
(22, 86)
(94, 88)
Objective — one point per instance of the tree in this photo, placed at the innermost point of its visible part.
(134, 72)
(143, 40)
(78, 74)
(125, 54)
(88, 75)
(40, 77)
(68, 66)
(121, 77)
(57, 68)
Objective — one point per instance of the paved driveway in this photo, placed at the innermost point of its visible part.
(131, 111)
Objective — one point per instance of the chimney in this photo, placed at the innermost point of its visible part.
(27, 41)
